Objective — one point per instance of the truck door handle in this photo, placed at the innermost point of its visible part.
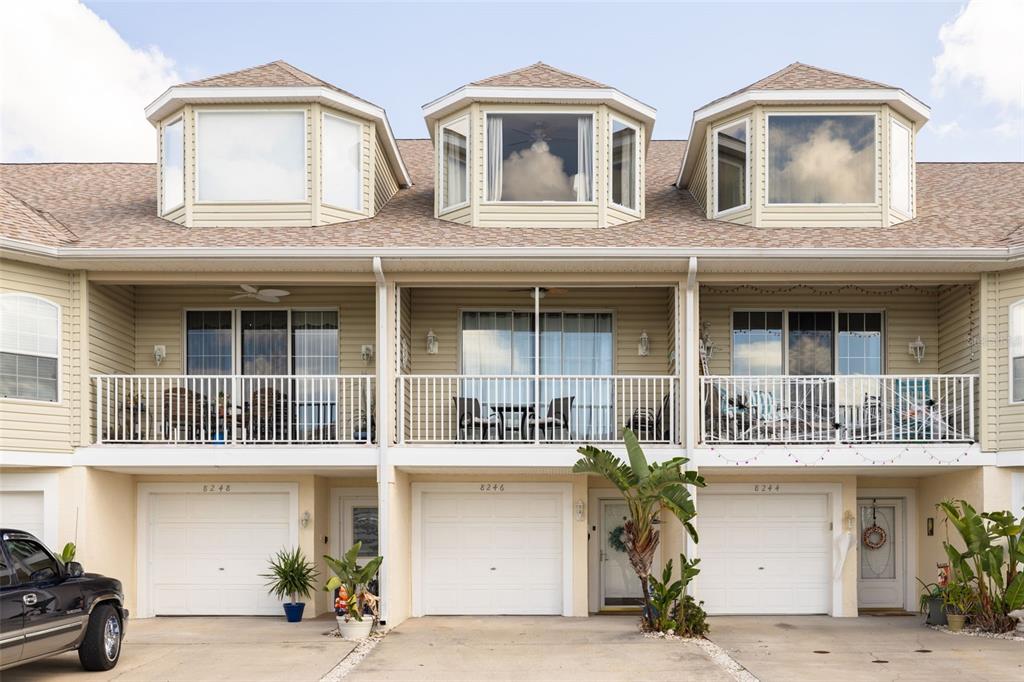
(29, 599)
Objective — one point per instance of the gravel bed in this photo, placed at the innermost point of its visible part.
(1014, 636)
(354, 658)
(717, 654)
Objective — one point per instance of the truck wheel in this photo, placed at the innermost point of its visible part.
(101, 647)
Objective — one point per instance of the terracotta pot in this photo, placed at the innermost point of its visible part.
(956, 621)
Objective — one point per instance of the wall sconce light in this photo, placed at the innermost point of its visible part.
(849, 518)
(580, 510)
(159, 354)
(366, 353)
(431, 342)
(917, 348)
(930, 523)
(643, 349)
(305, 519)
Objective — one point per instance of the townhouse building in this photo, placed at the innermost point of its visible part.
(295, 329)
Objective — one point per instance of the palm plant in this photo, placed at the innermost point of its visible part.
(291, 575)
(648, 490)
(353, 581)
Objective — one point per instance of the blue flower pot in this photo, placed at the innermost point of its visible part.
(293, 612)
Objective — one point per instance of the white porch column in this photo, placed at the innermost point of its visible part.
(385, 471)
(690, 394)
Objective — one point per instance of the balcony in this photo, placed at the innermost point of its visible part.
(838, 409)
(505, 409)
(234, 409)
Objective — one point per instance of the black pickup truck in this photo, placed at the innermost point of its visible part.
(49, 607)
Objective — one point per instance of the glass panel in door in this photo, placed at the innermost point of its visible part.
(880, 572)
(619, 584)
(314, 364)
(265, 387)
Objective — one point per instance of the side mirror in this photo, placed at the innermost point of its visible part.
(75, 569)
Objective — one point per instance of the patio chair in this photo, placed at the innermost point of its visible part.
(555, 424)
(471, 423)
(189, 416)
(266, 418)
(725, 418)
(652, 426)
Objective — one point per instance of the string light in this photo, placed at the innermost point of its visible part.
(827, 454)
(821, 290)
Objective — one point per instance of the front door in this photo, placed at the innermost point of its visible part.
(619, 585)
(359, 524)
(881, 569)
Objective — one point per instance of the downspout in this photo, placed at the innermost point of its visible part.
(690, 353)
(385, 474)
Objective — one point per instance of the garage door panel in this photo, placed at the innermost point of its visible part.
(486, 553)
(22, 510)
(766, 553)
(207, 551)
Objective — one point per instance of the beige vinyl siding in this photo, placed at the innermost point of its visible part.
(617, 216)
(177, 215)
(1005, 420)
(462, 215)
(698, 184)
(824, 215)
(959, 350)
(111, 337)
(385, 184)
(633, 309)
(159, 319)
(37, 426)
(908, 313)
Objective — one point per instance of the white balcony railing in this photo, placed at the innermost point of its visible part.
(234, 409)
(839, 409)
(536, 409)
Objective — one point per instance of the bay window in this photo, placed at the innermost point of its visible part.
(540, 157)
(455, 163)
(172, 168)
(900, 155)
(732, 179)
(251, 156)
(342, 162)
(29, 348)
(624, 164)
(821, 159)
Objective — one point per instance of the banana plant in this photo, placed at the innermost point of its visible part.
(354, 580)
(647, 489)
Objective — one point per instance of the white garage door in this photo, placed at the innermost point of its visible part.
(22, 511)
(206, 551)
(491, 553)
(767, 553)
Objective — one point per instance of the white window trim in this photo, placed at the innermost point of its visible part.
(57, 356)
(268, 202)
(893, 121)
(746, 120)
(530, 311)
(362, 159)
(785, 336)
(537, 202)
(612, 120)
(1009, 349)
(442, 209)
(164, 210)
(236, 334)
(767, 157)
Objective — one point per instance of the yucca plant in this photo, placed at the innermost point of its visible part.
(353, 581)
(648, 489)
(291, 575)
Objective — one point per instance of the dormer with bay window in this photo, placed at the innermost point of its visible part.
(539, 147)
(806, 147)
(272, 146)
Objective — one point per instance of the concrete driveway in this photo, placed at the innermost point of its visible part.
(531, 648)
(870, 648)
(199, 649)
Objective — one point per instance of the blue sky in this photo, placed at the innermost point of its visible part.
(675, 57)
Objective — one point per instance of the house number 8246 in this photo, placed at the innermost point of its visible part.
(492, 487)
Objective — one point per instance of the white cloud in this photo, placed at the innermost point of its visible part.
(73, 89)
(535, 174)
(982, 48)
(945, 129)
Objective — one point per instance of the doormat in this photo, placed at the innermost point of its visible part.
(885, 613)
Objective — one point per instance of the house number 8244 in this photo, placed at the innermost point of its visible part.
(766, 487)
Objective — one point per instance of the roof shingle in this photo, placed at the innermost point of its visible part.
(276, 74)
(798, 76)
(539, 75)
(114, 205)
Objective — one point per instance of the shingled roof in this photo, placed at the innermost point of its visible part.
(115, 206)
(276, 74)
(798, 76)
(539, 75)
(20, 221)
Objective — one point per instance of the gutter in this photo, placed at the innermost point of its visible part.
(616, 253)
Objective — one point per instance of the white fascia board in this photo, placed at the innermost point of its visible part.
(900, 100)
(470, 93)
(500, 253)
(176, 96)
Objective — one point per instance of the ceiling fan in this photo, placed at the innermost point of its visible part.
(265, 295)
(544, 291)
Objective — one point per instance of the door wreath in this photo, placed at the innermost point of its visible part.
(615, 539)
(874, 537)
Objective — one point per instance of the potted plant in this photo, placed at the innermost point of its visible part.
(355, 606)
(292, 576)
(960, 601)
(932, 603)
